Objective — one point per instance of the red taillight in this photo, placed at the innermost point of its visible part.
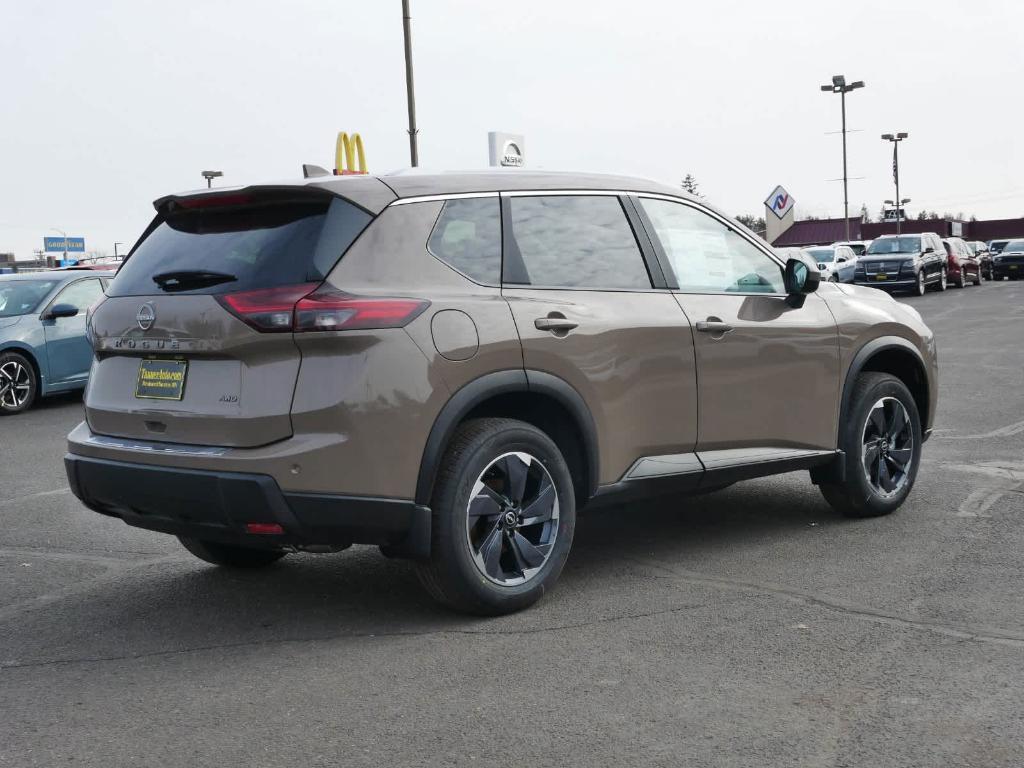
(331, 310)
(271, 310)
(304, 308)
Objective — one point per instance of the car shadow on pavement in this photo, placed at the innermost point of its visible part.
(175, 603)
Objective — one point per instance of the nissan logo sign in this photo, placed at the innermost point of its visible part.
(146, 316)
(511, 155)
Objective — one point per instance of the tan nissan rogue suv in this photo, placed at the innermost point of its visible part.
(450, 366)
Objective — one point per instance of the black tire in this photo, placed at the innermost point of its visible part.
(857, 496)
(229, 556)
(943, 282)
(452, 574)
(978, 278)
(16, 373)
(961, 279)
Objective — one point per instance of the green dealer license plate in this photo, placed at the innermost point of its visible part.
(161, 379)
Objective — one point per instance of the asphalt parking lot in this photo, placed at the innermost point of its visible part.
(752, 627)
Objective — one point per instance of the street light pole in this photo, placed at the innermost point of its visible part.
(210, 176)
(839, 86)
(115, 250)
(896, 139)
(410, 90)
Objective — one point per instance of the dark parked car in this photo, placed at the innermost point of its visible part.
(962, 264)
(43, 348)
(450, 365)
(981, 250)
(1009, 262)
(903, 263)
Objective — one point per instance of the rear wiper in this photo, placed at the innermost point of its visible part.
(189, 279)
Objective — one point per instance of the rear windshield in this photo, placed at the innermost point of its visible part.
(895, 245)
(19, 297)
(217, 250)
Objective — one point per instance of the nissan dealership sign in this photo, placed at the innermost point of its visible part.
(505, 150)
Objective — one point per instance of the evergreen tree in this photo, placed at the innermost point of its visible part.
(690, 185)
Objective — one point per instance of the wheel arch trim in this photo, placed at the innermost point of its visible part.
(480, 390)
(860, 360)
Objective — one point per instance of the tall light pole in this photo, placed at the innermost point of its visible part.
(839, 86)
(410, 90)
(115, 250)
(210, 176)
(896, 171)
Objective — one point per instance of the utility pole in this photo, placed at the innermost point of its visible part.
(839, 86)
(64, 261)
(896, 139)
(410, 90)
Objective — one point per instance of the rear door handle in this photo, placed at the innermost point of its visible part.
(554, 324)
(713, 326)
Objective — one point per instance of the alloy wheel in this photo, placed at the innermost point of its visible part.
(920, 284)
(887, 449)
(512, 519)
(15, 385)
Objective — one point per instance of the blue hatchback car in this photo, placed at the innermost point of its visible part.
(43, 348)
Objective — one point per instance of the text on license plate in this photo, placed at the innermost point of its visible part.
(161, 379)
(881, 277)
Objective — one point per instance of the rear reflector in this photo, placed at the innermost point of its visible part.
(264, 528)
(306, 308)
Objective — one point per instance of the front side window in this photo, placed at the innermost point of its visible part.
(80, 295)
(467, 237)
(575, 241)
(20, 297)
(707, 256)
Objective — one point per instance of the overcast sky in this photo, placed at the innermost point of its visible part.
(107, 105)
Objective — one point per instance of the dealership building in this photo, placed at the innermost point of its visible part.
(824, 231)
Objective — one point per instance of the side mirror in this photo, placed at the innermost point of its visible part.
(929, 249)
(841, 260)
(801, 278)
(60, 310)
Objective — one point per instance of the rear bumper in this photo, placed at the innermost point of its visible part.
(218, 506)
(1005, 270)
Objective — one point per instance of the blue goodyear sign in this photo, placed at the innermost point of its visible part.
(71, 244)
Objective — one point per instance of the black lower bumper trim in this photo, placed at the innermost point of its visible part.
(217, 506)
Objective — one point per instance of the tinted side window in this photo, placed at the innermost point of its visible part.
(582, 241)
(82, 294)
(709, 257)
(467, 237)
